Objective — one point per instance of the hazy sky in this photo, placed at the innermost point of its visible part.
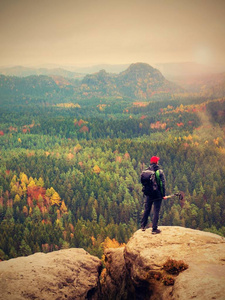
(73, 32)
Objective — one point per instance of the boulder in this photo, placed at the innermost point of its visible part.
(65, 274)
(145, 254)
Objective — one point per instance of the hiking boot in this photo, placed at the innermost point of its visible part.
(143, 228)
(156, 231)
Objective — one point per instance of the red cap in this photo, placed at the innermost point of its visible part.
(154, 159)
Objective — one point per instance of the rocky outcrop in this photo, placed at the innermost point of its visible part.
(65, 274)
(133, 272)
(141, 262)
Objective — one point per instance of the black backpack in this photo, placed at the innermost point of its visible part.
(149, 181)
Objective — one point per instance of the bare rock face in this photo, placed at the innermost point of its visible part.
(145, 254)
(114, 284)
(133, 272)
(65, 274)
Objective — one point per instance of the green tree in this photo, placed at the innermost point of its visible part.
(24, 249)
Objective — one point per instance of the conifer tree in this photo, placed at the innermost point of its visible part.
(24, 249)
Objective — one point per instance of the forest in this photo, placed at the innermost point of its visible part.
(70, 168)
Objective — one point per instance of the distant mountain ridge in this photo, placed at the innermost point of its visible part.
(172, 71)
(138, 81)
(21, 71)
(66, 71)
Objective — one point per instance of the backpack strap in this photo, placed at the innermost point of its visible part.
(159, 181)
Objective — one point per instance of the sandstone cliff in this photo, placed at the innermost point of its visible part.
(132, 272)
(140, 264)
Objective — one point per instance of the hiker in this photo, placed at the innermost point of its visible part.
(154, 196)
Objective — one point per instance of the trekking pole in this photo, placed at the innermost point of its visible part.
(179, 194)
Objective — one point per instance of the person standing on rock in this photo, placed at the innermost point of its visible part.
(154, 195)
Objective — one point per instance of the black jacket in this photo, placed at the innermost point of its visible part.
(161, 192)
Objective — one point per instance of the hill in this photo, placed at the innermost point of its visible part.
(32, 85)
(143, 81)
(42, 86)
(138, 81)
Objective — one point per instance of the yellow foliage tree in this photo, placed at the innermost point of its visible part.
(50, 192)
(30, 179)
(20, 191)
(77, 148)
(108, 243)
(24, 188)
(96, 169)
(188, 138)
(40, 182)
(63, 207)
(70, 156)
(13, 181)
(216, 141)
(17, 198)
(14, 190)
(31, 184)
(93, 240)
(55, 199)
(25, 211)
(24, 178)
(60, 224)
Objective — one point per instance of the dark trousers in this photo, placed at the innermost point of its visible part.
(148, 206)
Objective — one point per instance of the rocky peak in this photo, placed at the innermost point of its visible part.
(101, 77)
(141, 70)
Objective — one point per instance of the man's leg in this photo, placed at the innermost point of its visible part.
(147, 209)
(157, 205)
